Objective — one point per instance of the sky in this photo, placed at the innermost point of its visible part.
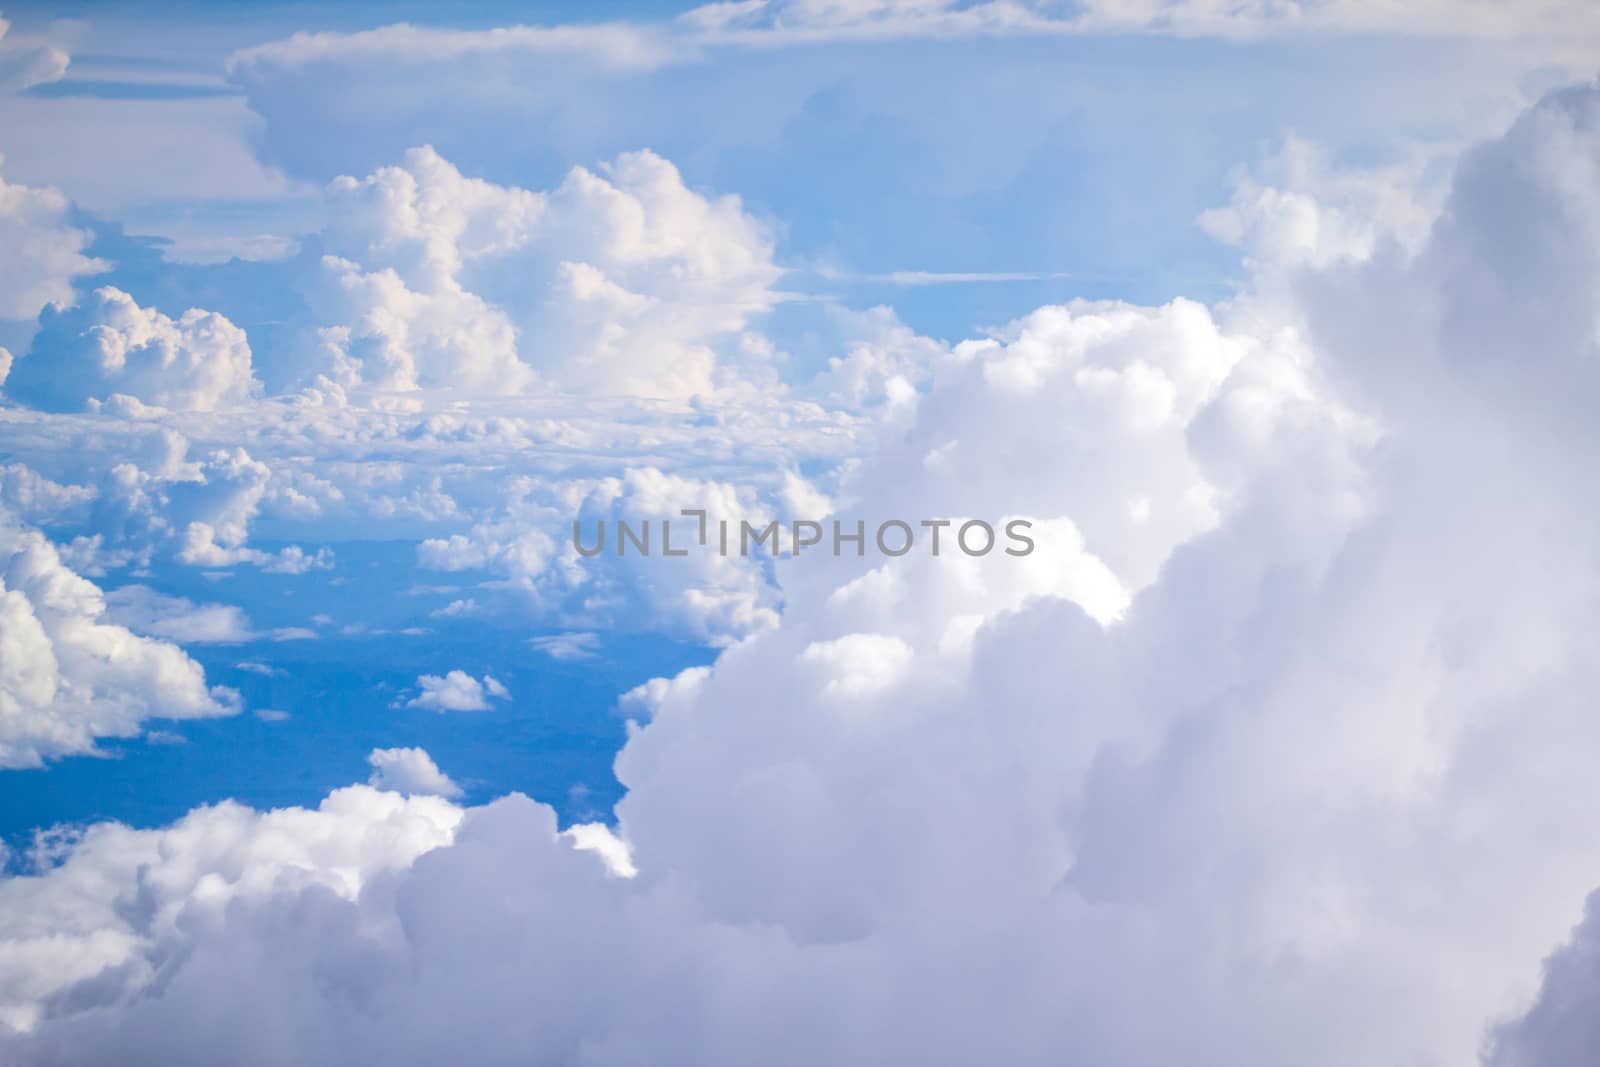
(1259, 338)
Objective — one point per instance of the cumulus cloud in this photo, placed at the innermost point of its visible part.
(400, 318)
(706, 596)
(621, 281)
(202, 508)
(410, 771)
(112, 912)
(44, 251)
(110, 347)
(31, 496)
(457, 691)
(491, 484)
(1296, 210)
(69, 673)
(646, 277)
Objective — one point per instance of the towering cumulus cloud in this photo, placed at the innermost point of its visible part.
(1282, 753)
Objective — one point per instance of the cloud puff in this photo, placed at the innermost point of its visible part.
(1296, 210)
(410, 771)
(30, 496)
(154, 497)
(109, 346)
(456, 691)
(120, 901)
(623, 281)
(44, 252)
(69, 674)
(491, 484)
(646, 277)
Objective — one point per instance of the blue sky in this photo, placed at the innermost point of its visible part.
(322, 325)
(556, 738)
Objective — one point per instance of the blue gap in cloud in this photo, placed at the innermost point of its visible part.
(555, 739)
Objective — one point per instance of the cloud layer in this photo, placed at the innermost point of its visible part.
(1280, 753)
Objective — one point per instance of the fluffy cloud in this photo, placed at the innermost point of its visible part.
(456, 691)
(706, 596)
(153, 497)
(491, 483)
(69, 675)
(113, 912)
(623, 281)
(1296, 210)
(31, 496)
(44, 252)
(410, 771)
(645, 276)
(396, 247)
(1262, 746)
(109, 346)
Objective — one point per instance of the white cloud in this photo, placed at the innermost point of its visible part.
(397, 243)
(178, 619)
(424, 220)
(32, 497)
(456, 691)
(69, 673)
(599, 838)
(1296, 210)
(201, 509)
(568, 646)
(109, 346)
(164, 738)
(202, 549)
(704, 596)
(410, 771)
(622, 281)
(44, 252)
(491, 484)
(859, 665)
(111, 912)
